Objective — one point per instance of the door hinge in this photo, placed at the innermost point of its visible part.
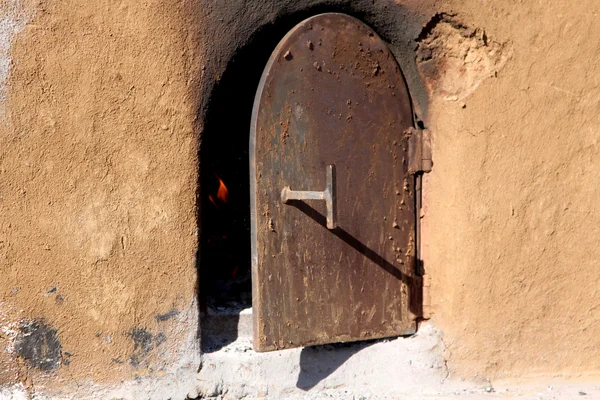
(419, 150)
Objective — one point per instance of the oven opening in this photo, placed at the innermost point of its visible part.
(225, 288)
(224, 199)
(226, 231)
(225, 284)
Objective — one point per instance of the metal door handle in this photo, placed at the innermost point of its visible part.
(329, 195)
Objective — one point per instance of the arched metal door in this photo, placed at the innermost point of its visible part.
(333, 202)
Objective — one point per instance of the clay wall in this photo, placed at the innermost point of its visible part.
(102, 114)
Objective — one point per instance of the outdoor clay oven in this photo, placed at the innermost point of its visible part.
(229, 199)
(334, 192)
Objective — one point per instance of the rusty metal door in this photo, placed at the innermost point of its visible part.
(333, 205)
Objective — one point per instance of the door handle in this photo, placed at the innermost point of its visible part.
(329, 195)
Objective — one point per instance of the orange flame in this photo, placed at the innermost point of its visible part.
(222, 195)
(223, 192)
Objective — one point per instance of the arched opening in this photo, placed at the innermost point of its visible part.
(224, 195)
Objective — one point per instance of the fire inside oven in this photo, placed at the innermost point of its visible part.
(225, 239)
(225, 256)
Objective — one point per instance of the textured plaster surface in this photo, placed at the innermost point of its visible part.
(98, 175)
(512, 218)
(103, 106)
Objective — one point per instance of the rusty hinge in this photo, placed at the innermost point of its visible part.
(419, 150)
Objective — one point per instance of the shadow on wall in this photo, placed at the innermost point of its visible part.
(241, 45)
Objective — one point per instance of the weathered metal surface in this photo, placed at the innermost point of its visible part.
(332, 93)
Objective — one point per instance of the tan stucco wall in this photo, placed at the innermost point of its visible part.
(98, 173)
(512, 221)
(97, 189)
